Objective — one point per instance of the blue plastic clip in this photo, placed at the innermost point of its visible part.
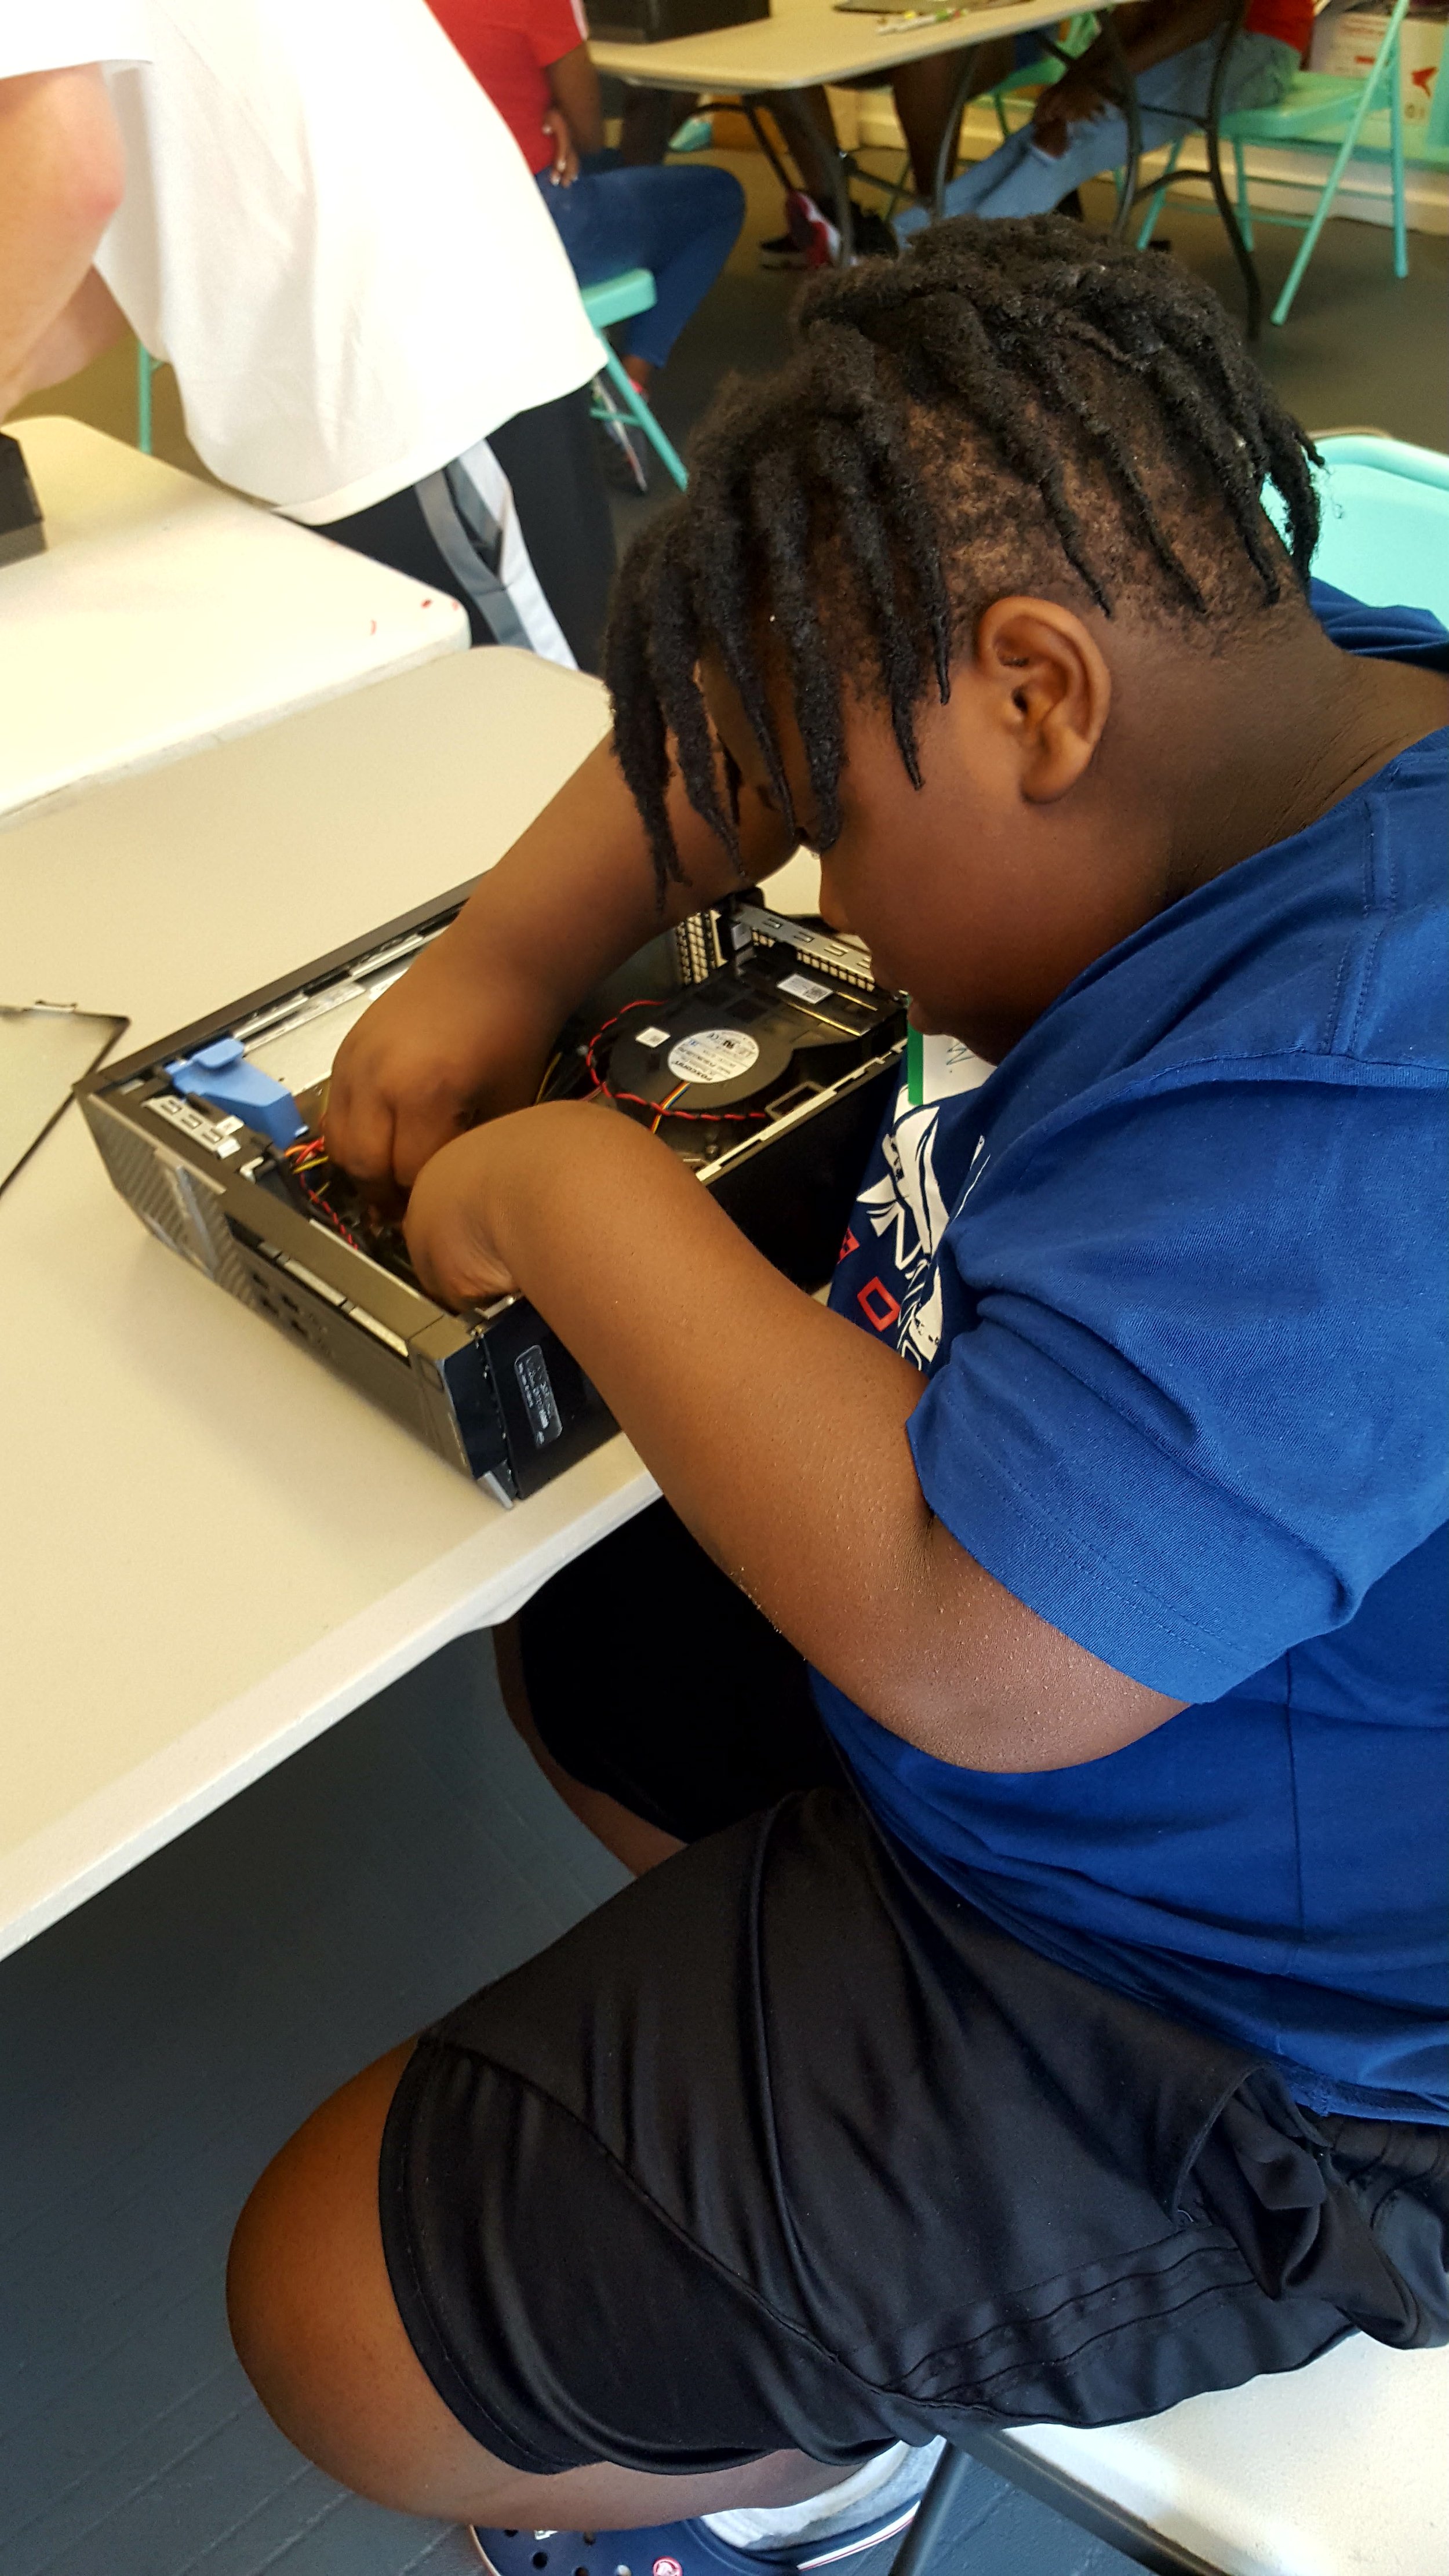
(221, 1075)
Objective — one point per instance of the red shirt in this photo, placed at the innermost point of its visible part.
(1291, 21)
(508, 46)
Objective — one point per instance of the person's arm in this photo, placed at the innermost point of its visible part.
(62, 175)
(777, 1430)
(467, 1032)
(90, 324)
(1148, 34)
(575, 87)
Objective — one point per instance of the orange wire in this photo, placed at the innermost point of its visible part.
(656, 1123)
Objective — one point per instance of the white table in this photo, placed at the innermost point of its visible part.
(809, 41)
(166, 614)
(211, 1548)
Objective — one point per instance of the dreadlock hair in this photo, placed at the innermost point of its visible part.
(1011, 406)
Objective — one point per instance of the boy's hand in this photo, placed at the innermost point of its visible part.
(776, 1429)
(467, 1032)
(460, 1200)
(1072, 100)
(554, 1177)
(446, 1046)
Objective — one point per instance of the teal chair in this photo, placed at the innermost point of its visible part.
(145, 370)
(617, 299)
(1317, 107)
(1385, 532)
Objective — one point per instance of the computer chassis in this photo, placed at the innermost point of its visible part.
(759, 1048)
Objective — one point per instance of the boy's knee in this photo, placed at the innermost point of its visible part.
(311, 2309)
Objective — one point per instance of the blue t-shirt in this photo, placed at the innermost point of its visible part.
(1175, 1272)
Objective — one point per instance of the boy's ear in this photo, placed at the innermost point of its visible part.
(1051, 689)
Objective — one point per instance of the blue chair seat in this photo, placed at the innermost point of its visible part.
(1385, 523)
(618, 299)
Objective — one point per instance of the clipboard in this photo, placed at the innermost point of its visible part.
(45, 1049)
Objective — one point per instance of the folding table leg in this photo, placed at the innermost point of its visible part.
(1227, 212)
(1245, 203)
(1155, 202)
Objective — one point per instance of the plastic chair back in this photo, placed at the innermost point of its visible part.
(1385, 532)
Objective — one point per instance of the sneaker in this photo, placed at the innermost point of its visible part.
(813, 241)
(674, 2549)
(811, 232)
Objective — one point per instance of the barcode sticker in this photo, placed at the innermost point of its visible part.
(650, 1037)
(804, 989)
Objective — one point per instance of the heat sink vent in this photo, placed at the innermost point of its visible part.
(170, 1198)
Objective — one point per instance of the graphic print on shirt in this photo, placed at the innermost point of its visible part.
(906, 1209)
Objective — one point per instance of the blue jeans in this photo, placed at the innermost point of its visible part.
(680, 224)
(1018, 179)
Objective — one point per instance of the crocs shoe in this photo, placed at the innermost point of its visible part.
(674, 2549)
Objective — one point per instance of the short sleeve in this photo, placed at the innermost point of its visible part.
(1196, 1406)
(1381, 634)
(66, 32)
(556, 28)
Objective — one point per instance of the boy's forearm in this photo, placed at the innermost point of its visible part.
(575, 895)
(778, 1431)
(768, 1421)
(62, 173)
(91, 323)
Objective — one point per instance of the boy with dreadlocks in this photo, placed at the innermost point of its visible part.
(1031, 1685)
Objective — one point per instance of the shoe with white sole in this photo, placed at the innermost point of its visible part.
(675, 2549)
(813, 241)
(811, 231)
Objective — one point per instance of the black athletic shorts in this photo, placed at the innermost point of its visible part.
(788, 2146)
(445, 533)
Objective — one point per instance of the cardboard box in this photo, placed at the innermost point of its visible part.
(1346, 42)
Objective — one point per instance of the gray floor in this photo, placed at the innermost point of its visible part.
(157, 2047)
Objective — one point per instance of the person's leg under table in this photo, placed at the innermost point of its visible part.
(649, 118)
(784, 2154)
(930, 100)
(1021, 179)
(804, 119)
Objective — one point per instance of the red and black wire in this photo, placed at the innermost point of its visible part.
(305, 1156)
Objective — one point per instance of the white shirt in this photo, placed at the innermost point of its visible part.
(329, 231)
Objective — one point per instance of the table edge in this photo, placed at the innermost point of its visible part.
(116, 1827)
